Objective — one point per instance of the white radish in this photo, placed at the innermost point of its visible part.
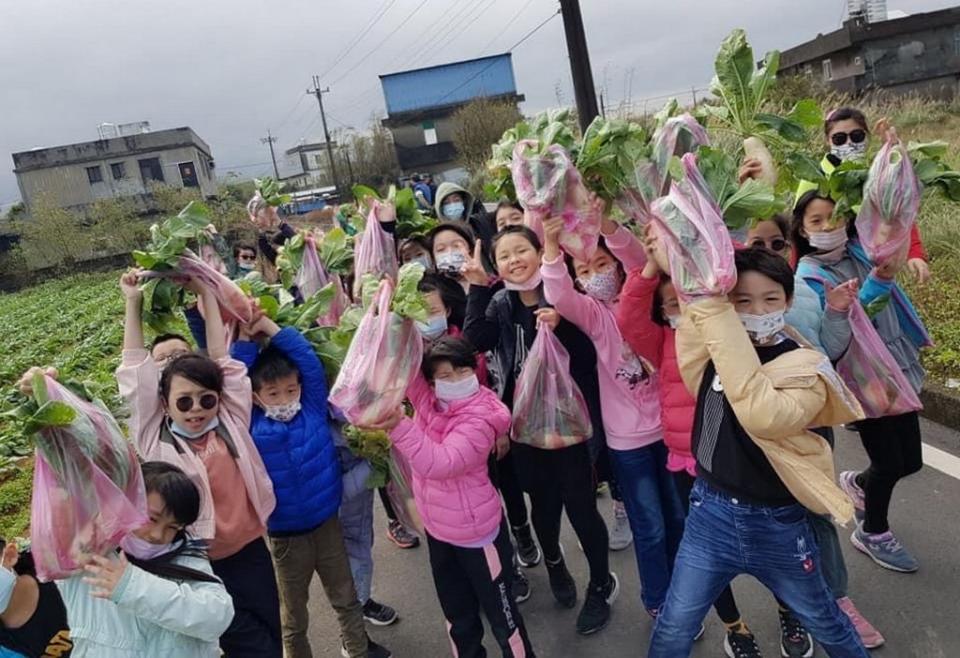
(754, 148)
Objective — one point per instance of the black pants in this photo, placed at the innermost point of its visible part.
(387, 505)
(895, 450)
(503, 474)
(604, 473)
(563, 479)
(250, 581)
(725, 605)
(468, 579)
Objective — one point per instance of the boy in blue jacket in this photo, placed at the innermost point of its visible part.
(289, 426)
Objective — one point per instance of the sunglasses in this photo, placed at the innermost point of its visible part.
(207, 401)
(246, 257)
(856, 137)
(777, 244)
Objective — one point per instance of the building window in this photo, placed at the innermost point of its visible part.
(827, 69)
(808, 69)
(118, 170)
(429, 133)
(956, 43)
(151, 170)
(188, 174)
(94, 175)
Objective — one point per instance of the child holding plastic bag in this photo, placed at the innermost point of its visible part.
(195, 414)
(629, 398)
(507, 322)
(830, 255)
(446, 445)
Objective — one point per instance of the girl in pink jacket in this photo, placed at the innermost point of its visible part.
(629, 398)
(446, 444)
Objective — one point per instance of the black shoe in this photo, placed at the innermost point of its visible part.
(528, 553)
(741, 645)
(596, 608)
(379, 614)
(795, 641)
(521, 586)
(374, 650)
(402, 537)
(562, 584)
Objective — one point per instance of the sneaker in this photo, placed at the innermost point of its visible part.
(795, 641)
(379, 614)
(562, 584)
(884, 549)
(528, 553)
(848, 482)
(521, 586)
(602, 489)
(741, 645)
(402, 537)
(869, 635)
(620, 535)
(374, 650)
(595, 613)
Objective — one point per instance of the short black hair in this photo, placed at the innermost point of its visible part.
(523, 231)
(181, 498)
(451, 294)
(460, 228)
(843, 114)
(770, 264)
(459, 352)
(418, 240)
(199, 369)
(271, 365)
(243, 246)
(163, 338)
(506, 203)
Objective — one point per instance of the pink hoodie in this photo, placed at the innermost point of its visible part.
(447, 449)
(657, 344)
(139, 379)
(629, 400)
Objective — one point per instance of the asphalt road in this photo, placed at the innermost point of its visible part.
(918, 613)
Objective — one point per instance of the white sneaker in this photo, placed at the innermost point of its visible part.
(620, 534)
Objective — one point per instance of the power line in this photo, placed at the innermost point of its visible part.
(289, 114)
(510, 22)
(384, 8)
(417, 43)
(453, 23)
(470, 19)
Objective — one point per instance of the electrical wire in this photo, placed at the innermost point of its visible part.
(453, 24)
(384, 8)
(510, 22)
(417, 43)
(470, 19)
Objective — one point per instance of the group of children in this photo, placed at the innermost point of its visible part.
(711, 422)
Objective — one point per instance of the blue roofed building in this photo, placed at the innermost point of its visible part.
(421, 103)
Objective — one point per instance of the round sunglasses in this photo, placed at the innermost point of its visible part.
(777, 244)
(856, 136)
(207, 401)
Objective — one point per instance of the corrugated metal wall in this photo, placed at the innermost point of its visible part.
(448, 84)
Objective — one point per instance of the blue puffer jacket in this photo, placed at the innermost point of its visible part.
(299, 455)
(806, 313)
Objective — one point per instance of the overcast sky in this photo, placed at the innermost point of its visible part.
(231, 69)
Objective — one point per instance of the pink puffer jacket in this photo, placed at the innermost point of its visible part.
(658, 344)
(447, 449)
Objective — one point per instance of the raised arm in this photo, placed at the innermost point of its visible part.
(132, 319)
(215, 330)
(623, 244)
(586, 313)
(465, 447)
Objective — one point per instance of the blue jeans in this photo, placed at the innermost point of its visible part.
(655, 513)
(724, 538)
(356, 521)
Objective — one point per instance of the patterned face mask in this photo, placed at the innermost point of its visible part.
(451, 262)
(849, 151)
(761, 328)
(282, 412)
(603, 285)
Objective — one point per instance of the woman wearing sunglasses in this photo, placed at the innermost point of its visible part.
(197, 418)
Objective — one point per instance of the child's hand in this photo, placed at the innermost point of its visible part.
(130, 284)
(473, 270)
(386, 212)
(10, 556)
(843, 296)
(547, 317)
(105, 574)
(751, 168)
(919, 269)
(26, 380)
(552, 228)
(391, 421)
(596, 208)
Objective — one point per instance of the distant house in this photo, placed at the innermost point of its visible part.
(913, 54)
(76, 175)
(420, 104)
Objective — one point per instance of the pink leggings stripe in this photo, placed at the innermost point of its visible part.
(493, 561)
(516, 645)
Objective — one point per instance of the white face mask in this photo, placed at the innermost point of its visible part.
(245, 266)
(8, 579)
(282, 413)
(434, 327)
(142, 549)
(829, 240)
(850, 151)
(423, 260)
(673, 321)
(762, 327)
(530, 284)
(453, 391)
(451, 262)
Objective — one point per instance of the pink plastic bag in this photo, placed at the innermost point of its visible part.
(872, 374)
(678, 136)
(400, 492)
(691, 229)
(549, 411)
(234, 304)
(548, 185)
(87, 485)
(891, 202)
(382, 360)
(375, 253)
(312, 277)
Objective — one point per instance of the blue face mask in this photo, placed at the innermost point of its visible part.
(434, 327)
(179, 431)
(453, 210)
(423, 260)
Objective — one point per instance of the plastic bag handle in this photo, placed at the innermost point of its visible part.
(382, 297)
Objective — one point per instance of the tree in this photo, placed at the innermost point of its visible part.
(477, 126)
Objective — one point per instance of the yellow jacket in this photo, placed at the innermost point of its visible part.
(774, 402)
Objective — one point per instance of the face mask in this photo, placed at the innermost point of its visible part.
(530, 284)
(603, 285)
(176, 429)
(423, 260)
(8, 579)
(142, 549)
(762, 327)
(829, 240)
(434, 327)
(453, 391)
(245, 266)
(673, 321)
(850, 151)
(453, 210)
(282, 413)
(451, 262)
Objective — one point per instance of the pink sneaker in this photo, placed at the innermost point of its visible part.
(869, 635)
(848, 482)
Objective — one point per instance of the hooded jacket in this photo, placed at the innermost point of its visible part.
(483, 227)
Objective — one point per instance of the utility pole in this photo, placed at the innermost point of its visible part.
(603, 110)
(270, 139)
(694, 91)
(346, 155)
(318, 92)
(583, 88)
